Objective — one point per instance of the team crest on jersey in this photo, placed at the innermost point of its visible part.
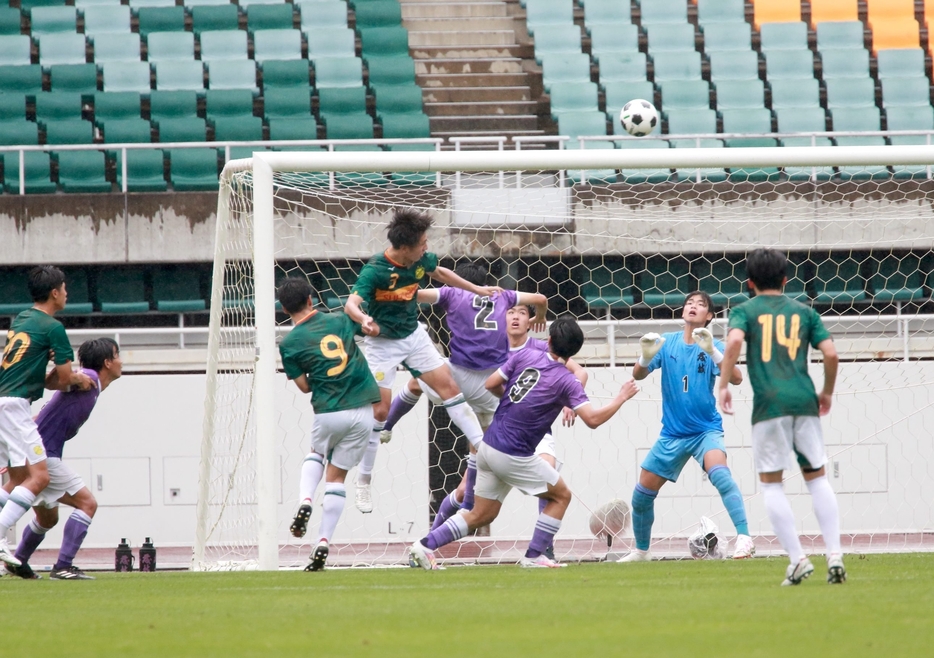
(702, 363)
(419, 272)
(379, 375)
(38, 450)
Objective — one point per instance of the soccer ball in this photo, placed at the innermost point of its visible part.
(639, 117)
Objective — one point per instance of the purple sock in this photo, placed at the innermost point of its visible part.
(470, 479)
(544, 535)
(76, 529)
(449, 507)
(32, 537)
(401, 405)
(541, 505)
(451, 530)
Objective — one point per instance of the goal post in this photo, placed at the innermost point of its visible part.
(321, 214)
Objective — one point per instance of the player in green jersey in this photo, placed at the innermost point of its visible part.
(786, 408)
(321, 357)
(388, 285)
(34, 338)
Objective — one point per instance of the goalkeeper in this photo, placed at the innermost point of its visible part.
(691, 426)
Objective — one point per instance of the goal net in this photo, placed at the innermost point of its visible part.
(616, 238)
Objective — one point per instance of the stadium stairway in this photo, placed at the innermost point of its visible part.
(469, 63)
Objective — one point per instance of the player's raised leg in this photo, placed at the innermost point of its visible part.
(402, 404)
(312, 471)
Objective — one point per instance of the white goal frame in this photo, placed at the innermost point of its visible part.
(264, 164)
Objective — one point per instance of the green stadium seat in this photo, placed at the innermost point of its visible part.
(591, 176)
(385, 42)
(342, 100)
(565, 68)
(696, 143)
(85, 4)
(548, 12)
(18, 133)
(238, 129)
(122, 291)
(834, 35)
(12, 107)
(685, 95)
(850, 92)
(665, 281)
(37, 173)
(287, 74)
(277, 44)
(719, 37)
(80, 78)
(292, 129)
(755, 174)
(838, 281)
(177, 289)
(900, 63)
(734, 65)
(643, 175)
(910, 118)
(161, 19)
(10, 20)
(852, 63)
(898, 278)
(170, 46)
(865, 172)
(245, 4)
(82, 171)
(29, 4)
(724, 279)
(62, 48)
(794, 93)
(215, 18)
(691, 122)
(193, 169)
(670, 37)
(269, 17)
(858, 120)
(324, 15)
(784, 64)
(14, 293)
(399, 99)
(79, 302)
(136, 5)
(15, 50)
(807, 173)
(783, 36)
(289, 102)
(117, 48)
(606, 12)
(676, 66)
(21, 79)
(709, 174)
(739, 94)
(573, 97)
(357, 179)
(109, 19)
(173, 105)
(581, 124)
(228, 103)
(144, 171)
(613, 38)
(233, 74)
(730, 12)
(904, 92)
(618, 94)
(557, 39)
(621, 67)
(664, 11)
(332, 42)
(747, 121)
(52, 20)
(399, 70)
(125, 131)
(378, 13)
(801, 120)
(855, 119)
(68, 131)
(409, 125)
(223, 45)
(126, 76)
(179, 75)
(53, 105)
(607, 286)
(338, 72)
(190, 129)
(348, 126)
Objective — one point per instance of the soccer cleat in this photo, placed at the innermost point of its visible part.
(836, 572)
(550, 552)
(744, 547)
(23, 571)
(636, 556)
(300, 522)
(540, 562)
(319, 557)
(69, 573)
(798, 572)
(385, 436)
(363, 500)
(6, 555)
(421, 556)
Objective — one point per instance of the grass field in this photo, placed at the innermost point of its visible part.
(658, 609)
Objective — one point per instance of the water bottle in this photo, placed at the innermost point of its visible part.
(124, 556)
(147, 556)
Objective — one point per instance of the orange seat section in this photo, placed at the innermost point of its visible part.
(888, 10)
(904, 33)
(833, 10)
(776, 11)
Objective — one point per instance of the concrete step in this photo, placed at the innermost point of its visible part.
(485, 65)
(430, 81)
(453, 9)
(466, 38)
(475, 24)
(478, 52)
(478, 94)
(483, 108)
(491, 124)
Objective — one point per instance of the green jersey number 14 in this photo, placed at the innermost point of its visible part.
(786, 339)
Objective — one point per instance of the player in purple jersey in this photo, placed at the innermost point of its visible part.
(539, 385)
(58, 422)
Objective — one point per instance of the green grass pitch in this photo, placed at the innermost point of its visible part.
(657, 609)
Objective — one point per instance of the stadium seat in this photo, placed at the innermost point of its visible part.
(223, 45)
(557, 39)
(333, 42)
(838, 281)
(51, 20)
(269, 17)
(182, 129)
(324, 15)
(837, 36)
(14, 294)
(738, 94)
(62, 48)
(901, 63)
(730, 12)
(342, 100)
(378, 13)
(238, 129)
(228, 103)
(886, 10)
(606, 12)
(776, 11)
(289, 102)
(906, 92)
(789, 64)
(852, 63)
(193, 169)
(122, 291)
(824, 11)
(784, 36)
(606, 286)
(125, 131)
(54, 105)
(850, 92)
(179, 75)
(664, 11)
(117, 48)
(727, 36)
(724, 279)
(338, 72)
(161, 19)
(286, 74)
(581, 124)
(691, 122)
(68, 131)
(573, 97)
(858, 120)
(795, 93)
(82, 171)
(405, 126)
(18, 132)
(665, 281)
(10, 20)
(126, 76)
(177, 289)
(399, 99)
(12, 107)
(685, 94)
(173, 105)
(633, 176)
(220, 18)
(385, 42)
(855, 119)
(78, 299)
(752, 174)
(170, 46)
(622, 67)
(293, 129)
(144, 171)
(136, 5)
(548, 12)
(801, 119)
(734, 65)
(747, 121)
(80, 78)
(898, 278)
(390, 71)
(618, 94)
(277, 44)
(895, 34)
(910, 118)
(232, 74)
(807, 173)
(676, 66)
(348, 126)
(670, 37)
(111, 19)
(36, 169)
(612, 38)
(21, 79)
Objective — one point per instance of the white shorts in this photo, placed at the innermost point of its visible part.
(342, 436)
(498, 472)
(472, 384)
(774, 440)
(546, 446)
(62, 480)
(416, 352)
(20, 443)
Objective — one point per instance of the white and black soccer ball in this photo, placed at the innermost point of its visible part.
(639, 117)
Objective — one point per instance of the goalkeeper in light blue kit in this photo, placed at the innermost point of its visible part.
(691, 426)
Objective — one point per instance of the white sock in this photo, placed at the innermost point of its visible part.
(409, 398)
(4, 496)
(21, 499)
(783, 519)
(334, 496)
(38, 529)
(828, 514)
(365, 469)
(465, 418)
(312, 470)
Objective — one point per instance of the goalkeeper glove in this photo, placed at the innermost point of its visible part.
(704, 340)
(651, 343)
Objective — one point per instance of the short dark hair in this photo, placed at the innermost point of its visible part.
(43, 279)
(566, 337)
(293, 293)
(407, 226)
(708, 302)
(93, 353)
(766, 268)
(474, 273)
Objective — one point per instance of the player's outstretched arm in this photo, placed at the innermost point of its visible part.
(449, 278)
(649, 345)
(594, 418)
(355, 312)
(734, 343)
(540, 302)
(428, 295)
(63, 378)
(831, 361)
(496, 384)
